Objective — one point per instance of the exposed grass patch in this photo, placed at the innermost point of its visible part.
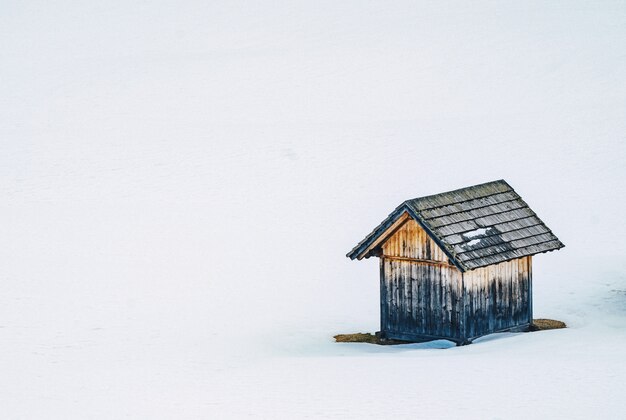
(356, 338)
(365, 338)
(546, 324)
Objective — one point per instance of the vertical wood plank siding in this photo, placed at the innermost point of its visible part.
(411, 241)
(498, 297)
(423, 296)
(420, 290)
(421, 299)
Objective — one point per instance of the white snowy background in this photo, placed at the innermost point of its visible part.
(180, 182)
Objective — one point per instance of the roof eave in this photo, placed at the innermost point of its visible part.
(375, 234)
(517, 257)
(357, 251)
(416, 216)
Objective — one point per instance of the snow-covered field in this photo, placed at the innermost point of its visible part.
(180, 183)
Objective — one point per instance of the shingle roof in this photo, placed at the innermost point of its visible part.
(475, 226)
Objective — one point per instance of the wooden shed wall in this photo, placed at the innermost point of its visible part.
(423, 295)
(498, 297)
(411, 241)
(420, 289)
(420, 299)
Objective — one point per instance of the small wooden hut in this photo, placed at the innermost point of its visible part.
(457, 265)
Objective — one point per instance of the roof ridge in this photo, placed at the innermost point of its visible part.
(484, 197)
(487, 215)
(438, 216)
(498, 181)
(469, 210)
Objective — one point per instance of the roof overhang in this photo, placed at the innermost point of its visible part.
(475, 227)
(388, 227)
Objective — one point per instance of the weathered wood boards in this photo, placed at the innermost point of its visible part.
(457, 265)
(497, 297)
(411, 241)
(420, 299)
(423, 295)
(475, 226)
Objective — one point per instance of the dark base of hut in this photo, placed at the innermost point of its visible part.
(422, 338)
(390, 338)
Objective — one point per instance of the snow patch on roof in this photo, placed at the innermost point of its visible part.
(476, 232)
